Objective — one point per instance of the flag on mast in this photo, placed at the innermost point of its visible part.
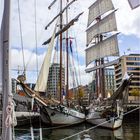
(134, 3)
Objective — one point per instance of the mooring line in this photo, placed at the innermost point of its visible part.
(80, 131)
(97, 125)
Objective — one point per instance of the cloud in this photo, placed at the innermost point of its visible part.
(128, 22)
(86, 78)
(29, 59)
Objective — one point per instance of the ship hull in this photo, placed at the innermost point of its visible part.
(57, 116)
(102, 122)
(107, 122)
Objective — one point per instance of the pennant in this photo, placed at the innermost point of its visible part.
(134, 3)
(57, 44)
(71, 45)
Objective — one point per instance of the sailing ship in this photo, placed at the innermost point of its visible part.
(102, 42)
(54, 111)
(109, 112)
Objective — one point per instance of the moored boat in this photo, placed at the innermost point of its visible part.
(55, 111)
(109, 113)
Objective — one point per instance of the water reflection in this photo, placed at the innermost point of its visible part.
(127, 132)
(102, 134)
(105, 134)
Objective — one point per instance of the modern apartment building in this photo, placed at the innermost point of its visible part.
(109, 84)
(80, 94)
(53, 85)
(86, 95)
(131, 65)
(109, 81)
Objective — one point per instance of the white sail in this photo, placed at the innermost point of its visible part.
(107, 24)
(42, 80)
(108, 47)
(98, 8)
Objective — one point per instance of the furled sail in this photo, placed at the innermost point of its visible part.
(41, 83)
(108, 47)
(107, 24)
(98, 8)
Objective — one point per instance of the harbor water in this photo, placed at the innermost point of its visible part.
(129, 131)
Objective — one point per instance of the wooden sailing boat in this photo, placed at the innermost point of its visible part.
(101, 43)
(54, 111)
(109, 113)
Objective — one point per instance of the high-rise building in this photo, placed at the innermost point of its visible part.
(109, 81)
(131, 65)
(53, 85)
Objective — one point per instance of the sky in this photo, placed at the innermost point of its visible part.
(128, 22)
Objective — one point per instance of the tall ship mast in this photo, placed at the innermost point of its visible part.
(100, 42)
(54, 111)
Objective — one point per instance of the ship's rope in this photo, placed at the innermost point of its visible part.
(32, 133)
(36, 41)
(86, 130)
(21, 37)
(78, 60)
(14, 119)
(62, 126)
(40, 129)
(74, 68)
(11, 117)
(31, 127)
(72, 76)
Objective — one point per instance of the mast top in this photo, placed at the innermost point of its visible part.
(98, 8)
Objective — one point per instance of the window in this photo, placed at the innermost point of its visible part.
(134, 73)
(133, 63)
(133, 58)
(135, 84)
(135, 78)
(133, 68)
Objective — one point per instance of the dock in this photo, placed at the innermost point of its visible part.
(25, 118)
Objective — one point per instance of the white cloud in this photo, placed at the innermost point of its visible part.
(128, 20)
(128, 23)
(30, 60)
(86, 78)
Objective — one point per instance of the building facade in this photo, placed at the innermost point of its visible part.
(109, 81)
(53, 84)
(86, 95)
(131, 65)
